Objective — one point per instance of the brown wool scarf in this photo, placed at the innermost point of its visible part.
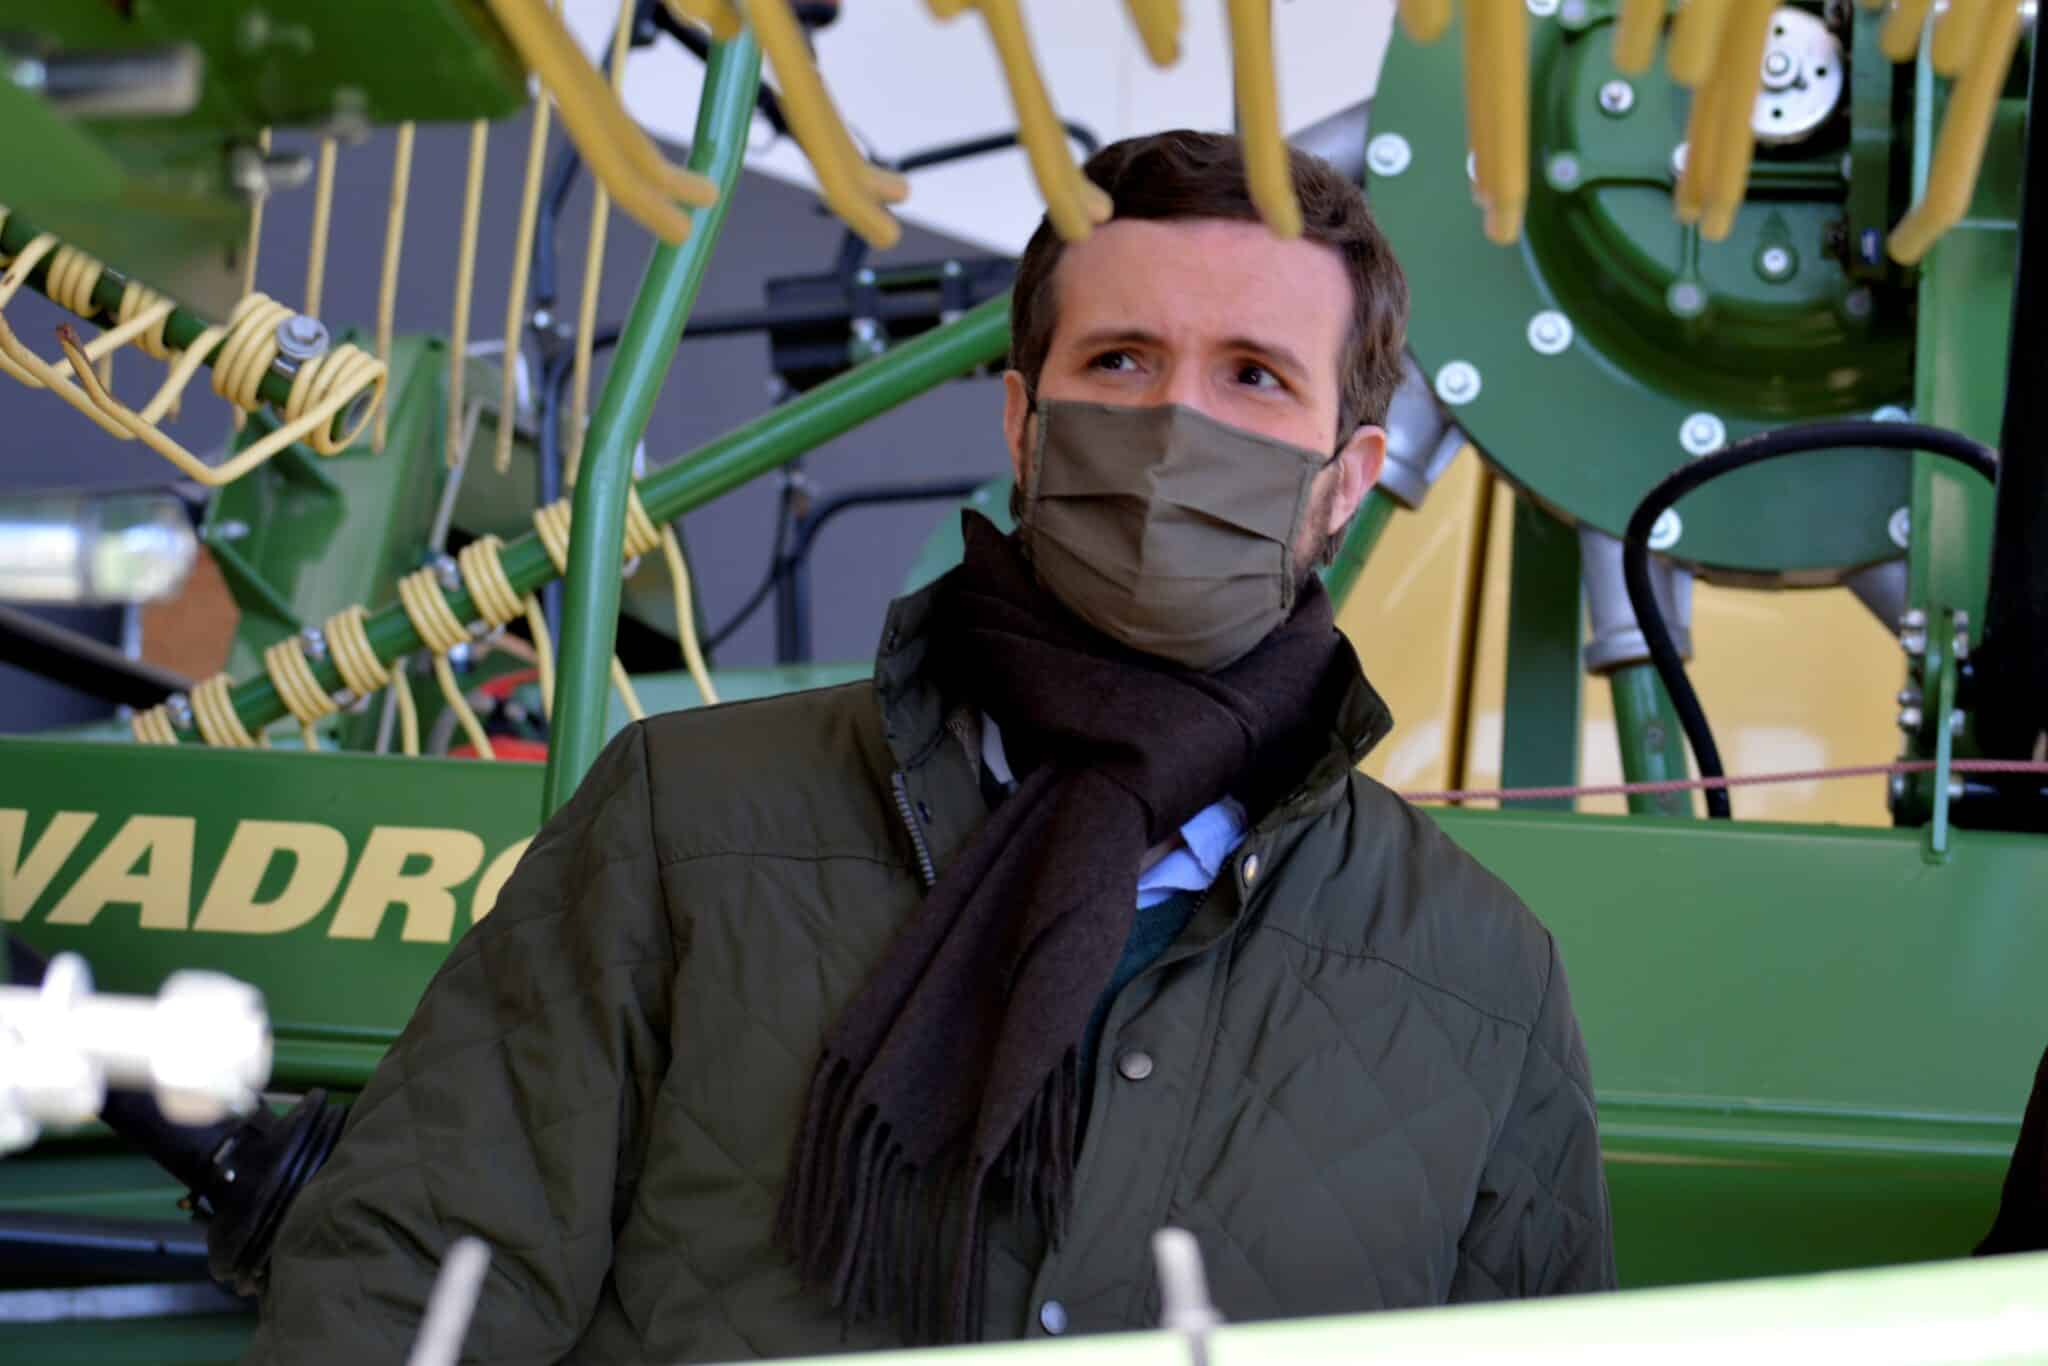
(952, 1077)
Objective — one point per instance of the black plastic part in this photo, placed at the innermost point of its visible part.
(2014, 708)
(43, 1249)
(81, 663)
(1771, 445)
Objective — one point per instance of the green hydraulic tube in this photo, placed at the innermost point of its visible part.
(976, 338)
(604, 475)
(1359, 539)
(1652, 741)
(180, 329)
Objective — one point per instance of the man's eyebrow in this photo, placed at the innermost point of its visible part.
(1117, 336)
(1270, 350)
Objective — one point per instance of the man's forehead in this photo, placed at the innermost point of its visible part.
(1206, 279)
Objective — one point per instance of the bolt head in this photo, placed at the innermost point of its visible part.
(1388, 154)
(1572, 12)
(864, 276)
(1910, 697)
(1550, 333)
(1664, 533)
(1890, 412)
(1857, 303)
(1777, 64)
(301, 338)
(1678, 159)
(1956, 721)
(1562, 171)
(1457, 382)
(1774, 262)
(1542, 9)
(1899, 526)
(951, 269)
(1617, 97)
(1702, 434)
(1914, 620)
(1898, 788)
(1685, 299)
(1909, 719)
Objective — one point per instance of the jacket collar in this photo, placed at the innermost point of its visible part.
(913, 713)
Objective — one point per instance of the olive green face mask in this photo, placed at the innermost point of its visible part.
(1166, 529)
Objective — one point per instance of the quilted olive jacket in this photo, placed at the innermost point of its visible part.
(1356, 1077)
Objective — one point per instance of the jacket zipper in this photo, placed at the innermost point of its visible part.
(925, 867)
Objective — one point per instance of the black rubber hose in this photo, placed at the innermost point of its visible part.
(1771, 445)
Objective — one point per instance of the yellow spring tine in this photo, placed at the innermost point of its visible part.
(1267, 169)
(1073, 203)
(1695, 33)
(718, 16)
(1741, 60)
(1425, 20)
(1959, 151)
(1636, 34)
(1497, 112)
(1899, 39)
(848, 189)
(1955, 35)
(1158, 24)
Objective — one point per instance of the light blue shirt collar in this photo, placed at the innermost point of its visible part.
(1208, 839)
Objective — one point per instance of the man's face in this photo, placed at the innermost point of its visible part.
(1219, 316)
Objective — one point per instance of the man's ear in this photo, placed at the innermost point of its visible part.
(1016, 411)
(1357, 468)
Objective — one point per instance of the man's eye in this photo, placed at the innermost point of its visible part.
(1114, 361)
(1257, 376)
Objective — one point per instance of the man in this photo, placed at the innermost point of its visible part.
(908, 1011)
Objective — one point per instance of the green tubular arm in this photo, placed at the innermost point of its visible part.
(976, 338)
(179, 329)
(654, 328)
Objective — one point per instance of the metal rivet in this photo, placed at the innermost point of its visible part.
(1052, 1317)
(1890, 412)
(1457, 382)
(1909, 719)
(1774, 263)
(1702, 434)
(1135, 1065)
(1900, 527)
(1550, 332)
(1617, 98)
(1388, 154)
(1562, 171)
(1667, 529)
(1685, 299)
(1857, 303)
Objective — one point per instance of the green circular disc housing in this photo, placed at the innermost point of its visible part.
(1612, 344)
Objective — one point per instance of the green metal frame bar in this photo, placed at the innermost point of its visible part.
(1540, 708)
(654, 328)
(976, 338)
(1359, 539)
(1652, 742)
(180, 329)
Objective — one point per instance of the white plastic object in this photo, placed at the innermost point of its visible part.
(451, 1304)
(1184, 1305)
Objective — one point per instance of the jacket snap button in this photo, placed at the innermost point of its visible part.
(1052, 1317)
(1251, 869)
(1135, 1065)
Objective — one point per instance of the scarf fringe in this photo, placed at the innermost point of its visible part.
(865, 1222)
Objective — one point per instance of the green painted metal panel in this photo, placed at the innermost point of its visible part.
(1588, 430)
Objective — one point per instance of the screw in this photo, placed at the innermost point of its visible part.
(1899, 526)
(179, 708)
(461, 658)
(1914, 642)
(1857, 303)
(447, 573)
(1678, 160)
(1774, 263)
(1909, 719)
(1664, 533)
(1550, 332)
(1702, 434)
(301, 338)
(1457, 382)
(1685, 299)
(1563, 171)
(1388, 154)
(313, 643)
(1891, 412)
(1617, 98)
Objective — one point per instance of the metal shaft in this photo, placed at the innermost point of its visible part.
(654, 328)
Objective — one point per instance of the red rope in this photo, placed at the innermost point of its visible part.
(1530, 794)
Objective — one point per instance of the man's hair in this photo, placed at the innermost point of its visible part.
(1189, 175)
